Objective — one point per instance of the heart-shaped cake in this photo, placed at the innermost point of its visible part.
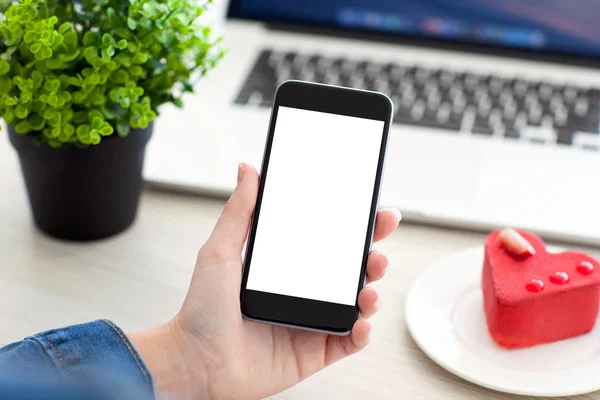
(539, 298)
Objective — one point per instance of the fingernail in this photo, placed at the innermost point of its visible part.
(241, 169)
(398, 214)
(378, 305)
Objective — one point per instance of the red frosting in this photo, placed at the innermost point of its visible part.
(540, 298)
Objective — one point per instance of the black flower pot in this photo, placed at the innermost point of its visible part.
(83, 193)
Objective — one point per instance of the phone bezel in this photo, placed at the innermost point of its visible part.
(300, 312)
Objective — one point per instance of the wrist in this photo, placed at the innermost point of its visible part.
(163, 349)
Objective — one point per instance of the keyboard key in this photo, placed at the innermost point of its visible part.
(545, 91)
(511, 133)
(548, 121)
(496, 85)
(471, 81)
(531, 99)
(290, 56)
(242, 98)
(301, 59)
(510, 110)
(556, 102)
(539, 134)
(560, 117)
(422, 75)
(408, 97)
(538, 141)
(373, 69)
(321, 77)
(273, 57)
(480, 95)
(315, 60)
(483, 130)
(484, 108)
(324, 64)
(455, 90)
(361, 67)
(346, 75)
(581, 106)
(535, 116)
(482, 126)
(255, 98)
(382, 86)
(586, 139)
(418, 110)
(402, 113)
(338, 62)
(593, 95)
(433, 100)
(495, 117)
(564, 138)
(520, 88)
(446, 79)
(443, 115)
(570, 94)
(512, 128)
(369, 83)
(459, 105)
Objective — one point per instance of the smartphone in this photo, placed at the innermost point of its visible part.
(312, 227)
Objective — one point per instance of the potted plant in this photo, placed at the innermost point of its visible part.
(81, 82)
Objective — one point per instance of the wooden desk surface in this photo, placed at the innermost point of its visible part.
(139, 279)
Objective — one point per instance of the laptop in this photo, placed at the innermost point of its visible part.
(496, 104)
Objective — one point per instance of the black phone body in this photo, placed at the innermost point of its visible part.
(325, 148)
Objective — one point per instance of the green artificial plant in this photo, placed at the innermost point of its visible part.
(74, 71)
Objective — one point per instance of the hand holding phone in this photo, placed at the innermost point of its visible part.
(209, 350)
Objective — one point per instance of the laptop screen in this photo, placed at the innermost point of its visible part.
(558, 26)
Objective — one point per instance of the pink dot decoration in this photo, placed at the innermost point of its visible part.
(535, 286)
(559, 278)
(585, 268)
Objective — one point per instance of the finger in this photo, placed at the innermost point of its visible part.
(376, 266)
(361, 334)
(339, 347)
(386, 222)
(368, 302)
(232, 227)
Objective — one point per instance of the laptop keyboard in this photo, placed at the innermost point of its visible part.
(539, 112)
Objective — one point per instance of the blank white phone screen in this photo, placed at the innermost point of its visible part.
(314, 216)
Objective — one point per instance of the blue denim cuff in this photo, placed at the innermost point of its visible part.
(97, 351)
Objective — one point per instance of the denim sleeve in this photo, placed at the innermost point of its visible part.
(94, 358)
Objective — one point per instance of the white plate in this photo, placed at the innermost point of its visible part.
(444, 314)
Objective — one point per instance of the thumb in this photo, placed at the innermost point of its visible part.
(232, 228)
